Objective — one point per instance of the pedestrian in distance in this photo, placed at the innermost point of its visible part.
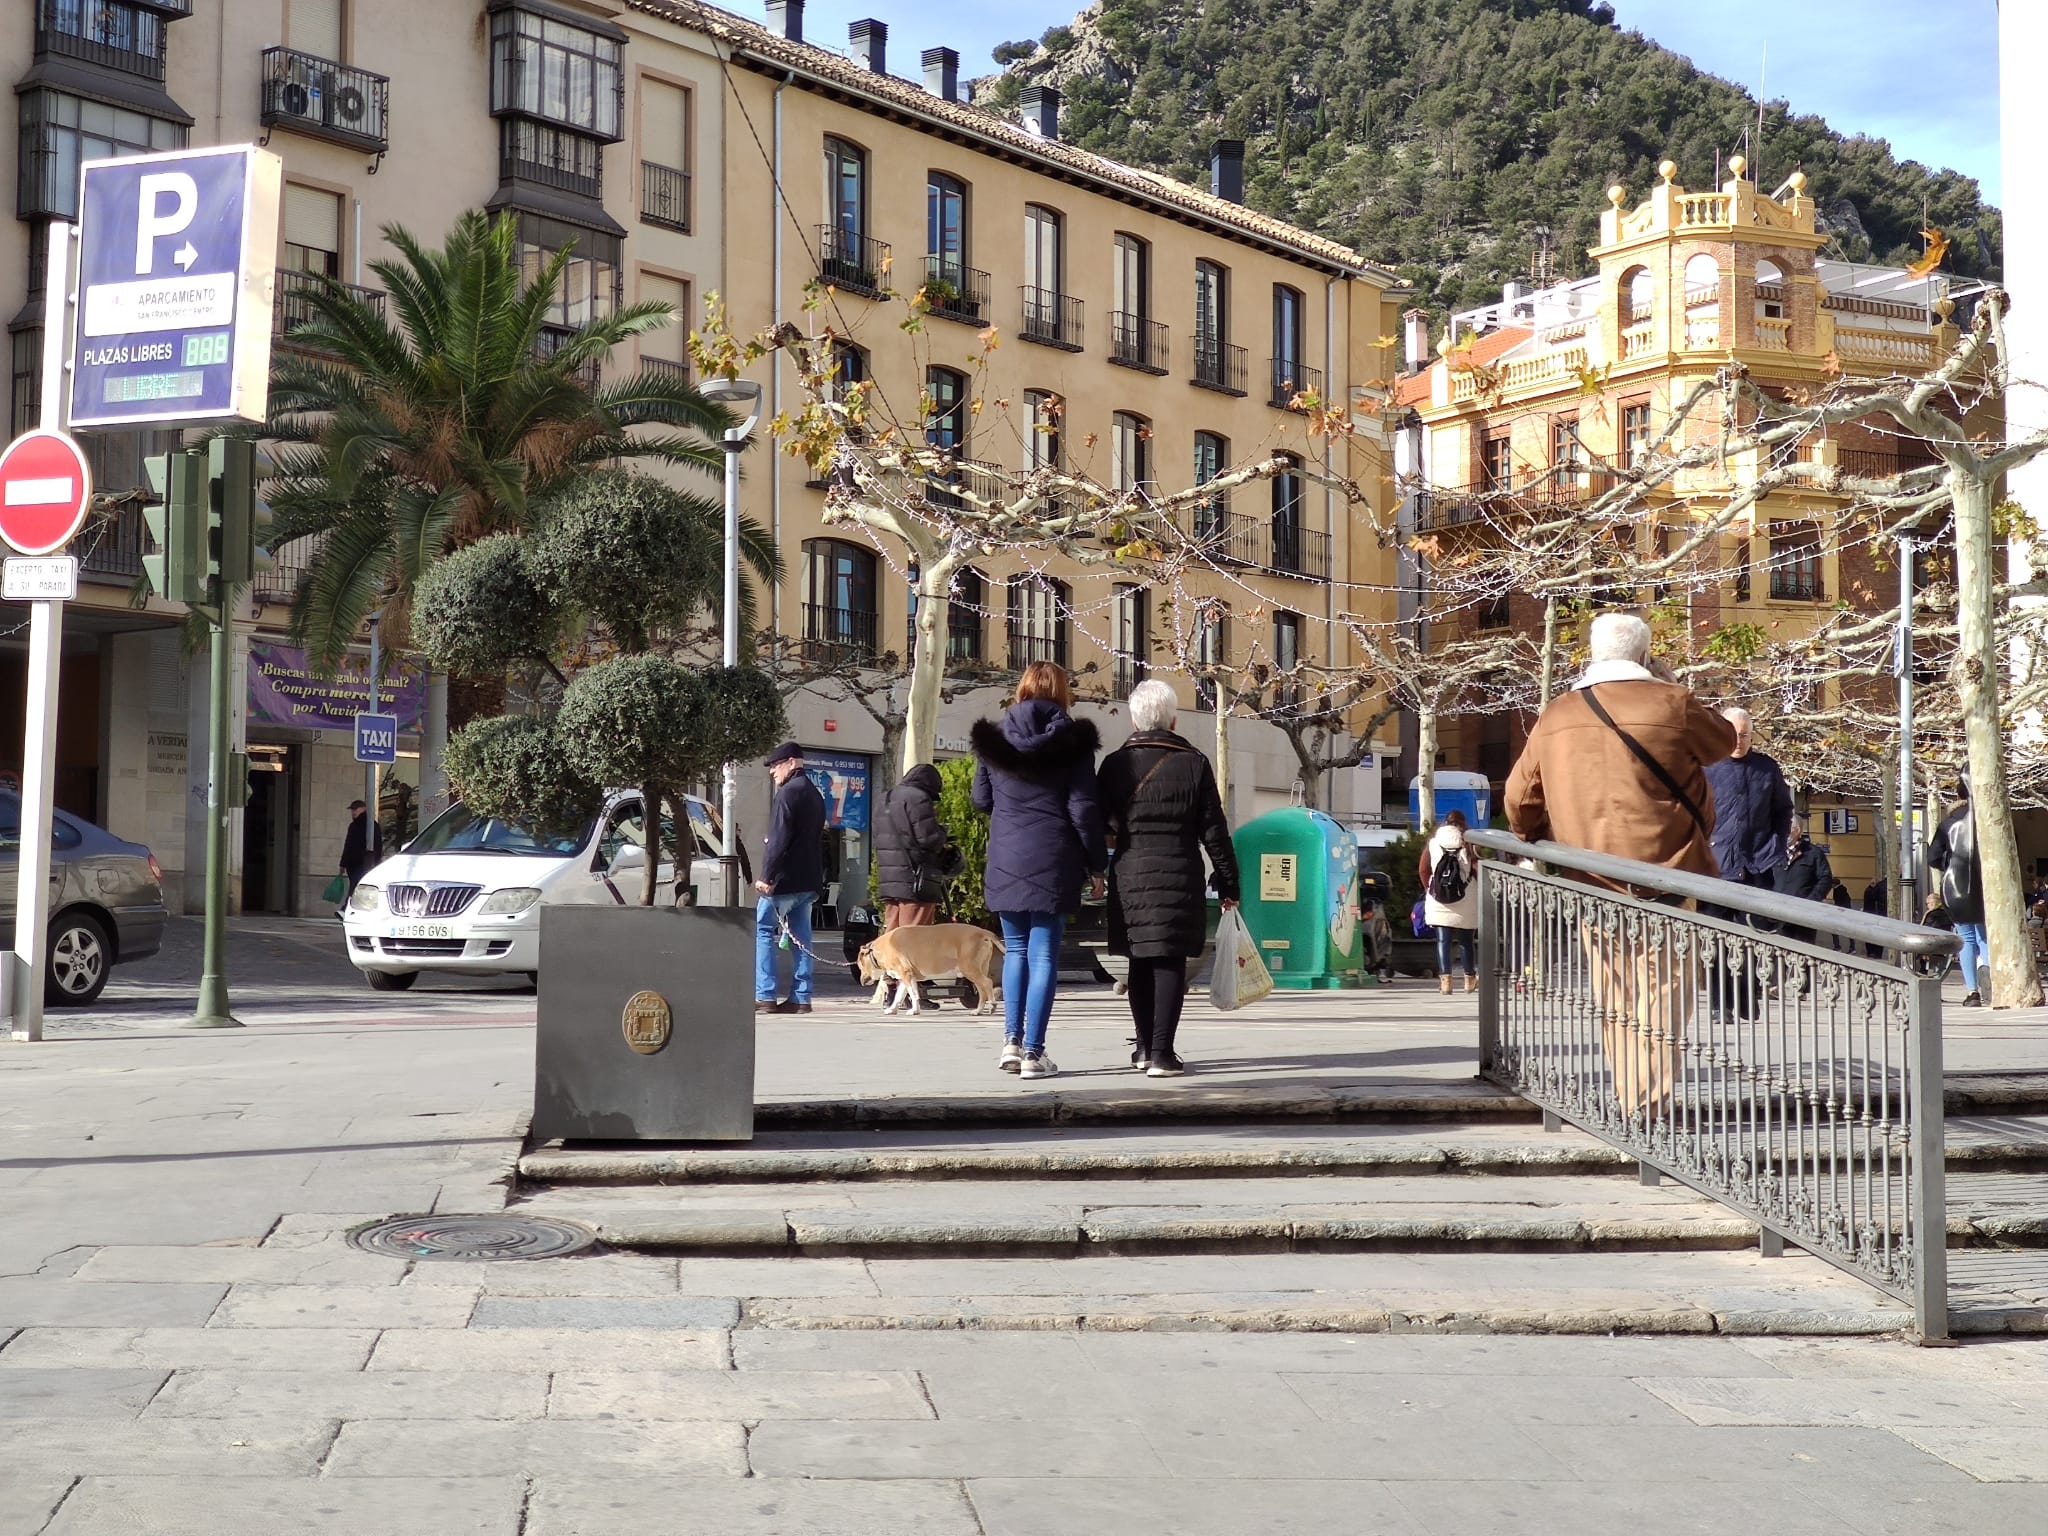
(1806, 874)
(1839, 895)
(1035, 777)
(1752, 820)
(1449, 872)
(1618, 765)
(1954, 853)
(914, 858)
(1877, 903)
(362, 846)
(1162, 810)
(792, 875)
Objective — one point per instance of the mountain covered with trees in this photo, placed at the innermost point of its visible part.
(1441, 136)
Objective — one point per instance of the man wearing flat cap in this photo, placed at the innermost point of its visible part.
(792, 875)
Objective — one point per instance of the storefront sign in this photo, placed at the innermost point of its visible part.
(842, 778)
(284, 690)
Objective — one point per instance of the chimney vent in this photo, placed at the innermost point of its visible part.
(871, 44)
(1041, 104)
(942, 73)
(1226, 169)
(1415, 330)
(786, 17)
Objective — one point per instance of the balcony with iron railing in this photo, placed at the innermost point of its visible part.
(1290, 378)
(1566, 486)
(112, 543)
(833, 636)
(1126, 671)
(666, 368)
(1798, 581)
(1221, 536)
(1299, 551)
(326, 100)
(294, 304)
(548, 156)
(850, 262)
(954, 291)
(552, 339)
(968, 482)
(1136, 342)
(105, 35)
(289, 564)
(664, 196)
(1051, 319)
(1219, 366)
(1028, 645)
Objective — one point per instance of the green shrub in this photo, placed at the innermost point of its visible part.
(632, 552)
(513, 767)
(1399, 859)
(478, 611)
(968, 828)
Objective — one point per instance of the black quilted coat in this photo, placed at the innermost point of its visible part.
(910, 843)
(1160, 803)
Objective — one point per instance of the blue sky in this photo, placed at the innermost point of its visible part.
(1921, 73)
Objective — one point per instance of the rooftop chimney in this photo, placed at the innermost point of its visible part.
(942, 73)
(1041, 104)
(870, 40)
(787, 18)
(1415, 330)
(1226, 169)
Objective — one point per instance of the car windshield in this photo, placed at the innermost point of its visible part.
(457, 830)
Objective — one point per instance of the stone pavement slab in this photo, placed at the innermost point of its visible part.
(1482, 1355)
(326, 1265)
(335, 1306)
(250, 1349)
(658, 1396)
(74, 1394)
(1810, 1401)
(2008, 1453)
(274, 1506)
(1075, 1446)
(1682, 1453)
(988, 1390)
(604, 1312)
(1351, 1398)
(1465, 1507)
(160, 1447)
(353, 1395)
(30, 1303)
(1387, 1449)
(616, 1275)
(629, 1505)
(27, 1500)
(424, 1447)
(550, 1349)
(1186, 1506)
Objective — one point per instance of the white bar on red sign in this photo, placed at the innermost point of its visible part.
(41, 493)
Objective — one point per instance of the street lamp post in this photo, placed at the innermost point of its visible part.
(743, 398)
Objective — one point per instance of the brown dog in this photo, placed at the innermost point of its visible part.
(908, 956)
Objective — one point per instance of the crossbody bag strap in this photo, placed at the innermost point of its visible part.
(1166, 752)
(1643, 756)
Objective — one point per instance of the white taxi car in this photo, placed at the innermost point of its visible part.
(464, 897)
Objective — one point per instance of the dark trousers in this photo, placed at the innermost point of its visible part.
(1156, 989)
(1732, 992)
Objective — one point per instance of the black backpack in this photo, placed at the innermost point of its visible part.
(1448, 881)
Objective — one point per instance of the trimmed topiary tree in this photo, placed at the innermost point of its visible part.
(513, 767)
(482, 610)
(636, 555)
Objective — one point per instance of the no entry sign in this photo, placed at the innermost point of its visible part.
(45, 486)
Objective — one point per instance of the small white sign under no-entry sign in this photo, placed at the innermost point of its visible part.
(39, 578)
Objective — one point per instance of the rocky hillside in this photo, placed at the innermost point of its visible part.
(1442, 136)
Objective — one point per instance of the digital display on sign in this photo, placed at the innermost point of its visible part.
(204, 351)
(155, 386)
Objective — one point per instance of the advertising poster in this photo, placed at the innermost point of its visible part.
(284, 690)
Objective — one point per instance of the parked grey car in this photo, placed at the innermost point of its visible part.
(106, 902)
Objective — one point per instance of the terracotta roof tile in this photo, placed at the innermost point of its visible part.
(750, 38)
(1415, 389)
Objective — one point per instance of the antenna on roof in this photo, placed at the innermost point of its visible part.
(1763, 74)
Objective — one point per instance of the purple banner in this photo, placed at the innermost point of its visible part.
(283, 690)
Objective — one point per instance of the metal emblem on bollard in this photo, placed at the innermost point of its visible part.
(645, 1021)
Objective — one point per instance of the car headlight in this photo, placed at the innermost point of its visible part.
(367, 898)
(516, 899)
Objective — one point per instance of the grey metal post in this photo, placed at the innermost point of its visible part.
(1930, 1159)
(1909, 863)
(729, 864)
(370, 769)
(1489, 969)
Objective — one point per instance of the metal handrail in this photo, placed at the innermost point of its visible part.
(1797, 1084)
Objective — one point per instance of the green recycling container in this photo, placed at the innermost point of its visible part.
(1299, 871)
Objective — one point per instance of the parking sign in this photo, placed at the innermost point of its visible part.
(376, 738)
(177, 260)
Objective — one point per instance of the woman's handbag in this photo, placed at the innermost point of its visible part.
(336, 891)
(1239, 977)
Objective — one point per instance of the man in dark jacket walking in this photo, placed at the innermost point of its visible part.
(1807, 875)
(1752, 817)
(361, 846)
(792, 875)
(1954, 853)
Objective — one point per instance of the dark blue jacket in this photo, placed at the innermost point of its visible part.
(1036, 779)
(794, 860)
(1752, 813)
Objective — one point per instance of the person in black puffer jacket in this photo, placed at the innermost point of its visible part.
(1806, 874)
(1036, 779)
(1160, 802)
(912, 851)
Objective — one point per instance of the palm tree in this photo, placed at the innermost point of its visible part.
(401, 439)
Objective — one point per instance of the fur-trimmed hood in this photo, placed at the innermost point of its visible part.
(1036, 740)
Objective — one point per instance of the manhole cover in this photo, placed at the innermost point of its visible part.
(473, 1238)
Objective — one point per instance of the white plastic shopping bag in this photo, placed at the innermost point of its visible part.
(1239, 977)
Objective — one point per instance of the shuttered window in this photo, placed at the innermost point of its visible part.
(670, 344)
(315, 27)
(665, 124)
(312, 230)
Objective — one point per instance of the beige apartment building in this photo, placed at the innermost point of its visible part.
(1166, 327)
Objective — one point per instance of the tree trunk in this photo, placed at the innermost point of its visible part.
(1885, 839)
(650, 821)
(927, 658)
(2015, 983)
(434, 749)
(1223, 747)
(1549, 651)
(1425, 767)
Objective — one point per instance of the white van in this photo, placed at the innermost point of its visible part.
(464, 897)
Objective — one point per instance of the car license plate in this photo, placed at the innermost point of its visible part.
(419, 931)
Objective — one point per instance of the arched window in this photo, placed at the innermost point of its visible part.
(839, 598)
(846, 188)
(946, 225)
(1038, 621)
(1638, 293)
(1702, 281)
(1770, 290)
(964, 615)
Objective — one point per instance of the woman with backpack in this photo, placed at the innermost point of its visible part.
(1449, 871)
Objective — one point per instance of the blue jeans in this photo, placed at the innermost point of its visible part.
(1460, 939)
(796, 911)
(1031, 969)
(1976, 952)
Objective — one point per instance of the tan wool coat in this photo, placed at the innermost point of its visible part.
(1577, 782)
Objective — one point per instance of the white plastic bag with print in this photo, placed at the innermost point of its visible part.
(1239, 977)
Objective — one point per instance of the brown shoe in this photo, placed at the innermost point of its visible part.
(766, 1005)
(789, 1005)
(1471, 983)
(1443, 984)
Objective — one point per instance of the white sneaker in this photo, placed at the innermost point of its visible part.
(1038, 1064)
(1012, 1057)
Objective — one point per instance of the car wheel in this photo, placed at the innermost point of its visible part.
(391, 981)
(80, 957)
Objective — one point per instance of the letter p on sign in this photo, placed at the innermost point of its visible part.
(150, 223)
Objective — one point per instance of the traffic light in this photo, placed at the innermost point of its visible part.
(238, 521)
(176, 525)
